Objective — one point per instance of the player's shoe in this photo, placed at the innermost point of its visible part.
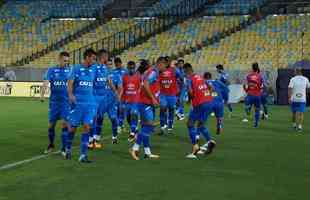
(68, 155)
(163, 130)
(134, 154)
(151, 156)
(170, 130)
(245, 120)
(84, 159)
(180, 116)
(63, 152)
(131, 137)
(91, 145)
(50, 148)
(114, 141)
(210, 147)
(191, 156)
(97, 144)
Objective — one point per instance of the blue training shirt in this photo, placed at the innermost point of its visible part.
(58, 78)
(216, 86)
(83, 87)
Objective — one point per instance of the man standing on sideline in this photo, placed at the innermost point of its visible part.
(297, 90)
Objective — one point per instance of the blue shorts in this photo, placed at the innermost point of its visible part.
(57, 111)
(82, 113)
(225, 96)
(252, 100)
(147, 112)
(167, 101)
(131, 108)
(298, 107)
(264, 99)
(218, 108)
(109, 107)
(201, 112)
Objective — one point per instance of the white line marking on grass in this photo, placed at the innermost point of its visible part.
(8, 166)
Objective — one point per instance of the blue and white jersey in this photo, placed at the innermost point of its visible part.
(101, 85)
(217, 88)
(83, 87)
(58, 78)
(118, 73)
(223, 78)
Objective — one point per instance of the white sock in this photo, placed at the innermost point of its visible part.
(147, 151)
(300, 126)
(97, 137)
(114, 137)
(91, 139)
(132, 134)
(136, 147)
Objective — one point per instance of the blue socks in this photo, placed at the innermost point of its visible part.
(170, 117)
(64, 136)
(257, 114)
(192, 134)
(51, 135)
(163, 117)
(84, 144)
(69, 140)
(114, 127)
(204, 131)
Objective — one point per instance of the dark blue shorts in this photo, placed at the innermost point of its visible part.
(57, 111)
(298, 107)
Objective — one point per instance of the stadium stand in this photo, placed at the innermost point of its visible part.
(276, 42)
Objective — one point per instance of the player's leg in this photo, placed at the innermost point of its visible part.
(121, 115)
(112, 113)
(163, 113)
(134, 115)
(226, 101)
(219, 114)
(300, 114)
(192, 131)
(247, 108)
(172, 100)
(294, 114)
(53, 117)
(257, 105)
(180, 105)
(264, 106)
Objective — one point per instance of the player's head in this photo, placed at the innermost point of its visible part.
(188, 69)
(298, 71)
(118, 62)
(64, 59)
(207, 76)
(110, 64)
(131, 66)
(219, 68)
(103, 56)
(168, 61)
(161, 64)
(143, 66)
(89, 57)
(255, 68)
(180, 63)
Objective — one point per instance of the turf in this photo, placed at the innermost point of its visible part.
(272, 162)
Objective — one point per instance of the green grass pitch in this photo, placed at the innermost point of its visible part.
(272, 162)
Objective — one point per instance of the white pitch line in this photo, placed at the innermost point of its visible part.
(9, 166)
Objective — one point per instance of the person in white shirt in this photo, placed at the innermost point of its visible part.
(297, 97)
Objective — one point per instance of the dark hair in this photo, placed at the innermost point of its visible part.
(181, 61)
(131, 63)
(220, 67)
(188, 66)
(207, 75)
(255, 67)
(64, 54)
(144, 64)
(167, 58)
(88, 52)
(117, 60)
(101, 52)
(161, 60)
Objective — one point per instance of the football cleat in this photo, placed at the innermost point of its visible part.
(131, 137)
(151, 156)
(163, 130)
(245, 120)
(191, 156)
(134, 154)
(68, 155)
(170, 130)
(114, 141)
(211, 146)
(84, 159)
(50, 148)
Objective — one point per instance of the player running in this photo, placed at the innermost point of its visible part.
(82, 99)
(130, 98)
(201, 98)
(149, 96)
(253, 88)
(218, 101)
(297, 90)
(264, 97)
(224, 79)
(168, 97)
(59, 106)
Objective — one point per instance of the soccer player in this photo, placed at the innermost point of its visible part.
(168, 97)
(182, 94)
(130, 98)
(82, 99)
(297, 90)
(201, 98)
(218, 101)
(59, 106)
(264, 96)
(149, 97)
(224, 79)
(107, 88)
(119, 71)
(253, 88)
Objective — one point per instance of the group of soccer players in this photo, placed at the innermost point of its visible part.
(84, 93)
